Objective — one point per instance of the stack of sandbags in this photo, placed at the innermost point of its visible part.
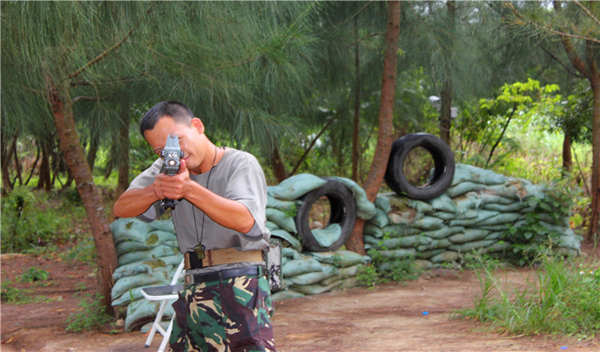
(148, 255)
(284, 198)
(481, 210)
(312, 273)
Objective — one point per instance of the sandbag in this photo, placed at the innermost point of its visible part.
(129, 229)
(286, 294)
(404, 242)
(301, 266)
(443, 232)
(327, 236)
(282, 219)
(163, 225)
(468, 173)
(400, 230)
(469, 235)
(443, 203)
(157, 252)
(340, 258)
(315, 289)
(435, 244)
(380, 219)
(383, 203)
(295, 187)
(273, 202)
(373, 230)
(467, 201)
(466, 247)
(140, 267)
(159, 276)
(142, 311)
(447, 256)
(428, 223)
(289, 238)
(481, 215)
(314, 277)
(464, 187)
(401, 253)
(290, 253)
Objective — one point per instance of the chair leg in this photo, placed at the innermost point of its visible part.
(156, 324)
(167, 336)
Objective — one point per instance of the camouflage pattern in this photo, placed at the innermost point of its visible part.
(229, 316)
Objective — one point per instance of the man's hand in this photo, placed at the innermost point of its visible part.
(173, 187)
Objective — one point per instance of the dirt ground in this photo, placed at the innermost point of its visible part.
(412, 316)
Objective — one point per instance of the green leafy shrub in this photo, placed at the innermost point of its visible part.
(34, 274)
(91, 316)
(32, 219)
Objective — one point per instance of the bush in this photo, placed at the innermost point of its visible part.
(29, 220)
(563, 300)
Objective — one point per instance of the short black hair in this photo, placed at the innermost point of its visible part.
(176, 110)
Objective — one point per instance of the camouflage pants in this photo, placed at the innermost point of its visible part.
(233, 315)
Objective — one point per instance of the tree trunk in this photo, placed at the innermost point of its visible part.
(445, 121)
(589, 69)
(17, 167)
(37, 159)
(386, 128)
(7, 186)
(94, 142)
(567, 157)
(44, 177)
(70, 146)
(446, 93)
(123, 181)
(594, 229)
(355, 131)
(278, 165)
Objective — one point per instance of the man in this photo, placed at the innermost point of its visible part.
(220, 225)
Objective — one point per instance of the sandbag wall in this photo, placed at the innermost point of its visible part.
(148, 255)
(475, 212)
(306, 272)
(313, 273)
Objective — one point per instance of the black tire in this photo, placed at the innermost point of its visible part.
(343, 212)
(443, 159)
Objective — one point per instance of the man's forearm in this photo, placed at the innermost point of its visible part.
(135, 202)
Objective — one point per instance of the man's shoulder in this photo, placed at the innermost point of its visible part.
(236, 155)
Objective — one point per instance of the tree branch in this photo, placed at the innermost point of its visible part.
(105, 53)
(312, 143)
(587, 11)
(565, 66)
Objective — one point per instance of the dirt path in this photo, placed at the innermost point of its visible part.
(415, 316)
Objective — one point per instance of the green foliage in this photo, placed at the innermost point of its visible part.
(34, 274)
(532, 237)
(368, 276)
(83, 251)
(35, 219)
(563, 300)
(91, 316)
(11, 294)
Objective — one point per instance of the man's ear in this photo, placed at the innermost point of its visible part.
(197, 124)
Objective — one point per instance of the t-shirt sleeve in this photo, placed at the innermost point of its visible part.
(143, 180)
(248, 186)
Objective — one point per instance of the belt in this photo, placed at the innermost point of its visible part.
(254, 270)
(222, 256)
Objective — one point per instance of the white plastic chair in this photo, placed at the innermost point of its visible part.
(165, 294)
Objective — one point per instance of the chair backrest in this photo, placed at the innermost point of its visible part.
(178, 273)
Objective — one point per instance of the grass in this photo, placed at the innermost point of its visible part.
(563, 299)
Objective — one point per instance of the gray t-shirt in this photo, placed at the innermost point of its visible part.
(238, 176)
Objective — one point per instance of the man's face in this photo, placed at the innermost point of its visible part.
(190, 138)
